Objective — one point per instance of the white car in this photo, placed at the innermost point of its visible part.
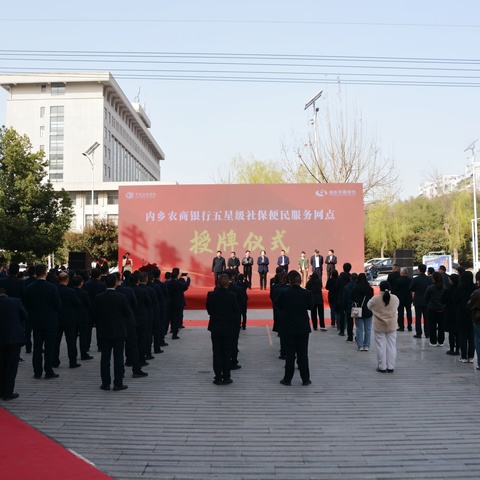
(372, 261)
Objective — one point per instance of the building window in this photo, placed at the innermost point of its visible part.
(43, 88)
(58, 89)
(42, 147)
(42, 112)
(42, 131)
(112, 198)
(73, 197)
(56, 144)
(88, 220)
(112, 219)
(88, 198)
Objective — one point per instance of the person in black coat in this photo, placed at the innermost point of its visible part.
(242, 282)
(279, 283)
(163, 306)
(295, 302)
(83, 316)
(404, 294)
(218, 265)
(67, 321)
(111, 312)
(132, 358)
(450, 315)
(159, 318)
(262, 263)
(12, 318)
(15, 287)
(43, 307)
(239, 292)
(141, 316)
(330, 262)
(94, 286)
(177, 286)
(223, 309)
(419, 286)
(314, 284)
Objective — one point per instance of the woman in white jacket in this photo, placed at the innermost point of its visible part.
(384, 307)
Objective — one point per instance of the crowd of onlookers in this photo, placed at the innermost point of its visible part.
(132, 313)
(134, 310)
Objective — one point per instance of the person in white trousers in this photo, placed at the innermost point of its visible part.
(384, 307)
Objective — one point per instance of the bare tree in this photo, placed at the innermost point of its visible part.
(342, 151)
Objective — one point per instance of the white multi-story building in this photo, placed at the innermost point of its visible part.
(445, 184)
(64, 114)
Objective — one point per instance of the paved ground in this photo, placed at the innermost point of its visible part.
(351, 423)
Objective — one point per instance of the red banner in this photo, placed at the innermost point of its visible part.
(184, 225)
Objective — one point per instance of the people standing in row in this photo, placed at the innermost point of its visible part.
(330, 262)
(43, 306)
(111, 312)
(316, 261)
(233, 263)
(223, 309)
(247, 263)
(419, 286)
(436, 310)
(13, 319)
(314, 284)
(262, 263)
(283, 261)
(404, 294)
(303, 268)
(294, 303)
(218, 265)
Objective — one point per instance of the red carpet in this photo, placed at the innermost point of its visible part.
(27, 453)
(257, 299)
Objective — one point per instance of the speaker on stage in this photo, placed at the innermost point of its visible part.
(78, 261)
(404, 258)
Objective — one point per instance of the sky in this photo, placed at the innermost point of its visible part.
(361, 54)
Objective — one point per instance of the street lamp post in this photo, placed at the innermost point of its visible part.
(90, 154)
(475, 218)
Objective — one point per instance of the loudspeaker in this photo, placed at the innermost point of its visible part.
(78, 261)
(404, 258)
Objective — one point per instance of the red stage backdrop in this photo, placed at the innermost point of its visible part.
(184, 225)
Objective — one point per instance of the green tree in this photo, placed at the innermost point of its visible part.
(251, 171)
(98, 239)
(34, 217)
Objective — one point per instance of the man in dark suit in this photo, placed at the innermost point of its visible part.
(218, 265)
(177, 286)
(419, 286)
(111, 312)
(223, 309)
(43, 306)
(153, 312)
(283, 261)
(14, 286)
(316, 261)
(240, 294)
(402, 291)
(12, 318)
(262, 263)
(163, 302)
(233, 263)
(295, 303)
(83, 316)
(94, 286)
(132, 358)
(158, 319)
(247, 263)
(330, 262)
(141, 316)
(67, 321)
(393, 277)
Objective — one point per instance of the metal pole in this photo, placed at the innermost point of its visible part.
(475, 219)
(92, 161)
